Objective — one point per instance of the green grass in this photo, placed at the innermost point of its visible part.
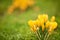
(17, 23)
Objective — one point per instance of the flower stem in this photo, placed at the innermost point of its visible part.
(37, 35)
(45, 36)
(48, 36)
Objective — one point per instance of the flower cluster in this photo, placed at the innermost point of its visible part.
(21, 4)
(43, 22)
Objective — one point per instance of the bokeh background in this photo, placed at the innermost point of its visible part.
(15, 27)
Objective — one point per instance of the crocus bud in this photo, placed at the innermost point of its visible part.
(53, 19)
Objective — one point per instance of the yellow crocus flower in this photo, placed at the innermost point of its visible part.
(53, 19)
(34, 29)
(32, 25)
(41, 22)
(38, 23)
(53, 25)
(43, 27)
(40, 16)
(41, 19)
(45, 17)
(47, 24)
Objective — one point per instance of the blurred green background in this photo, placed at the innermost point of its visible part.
(15, 27)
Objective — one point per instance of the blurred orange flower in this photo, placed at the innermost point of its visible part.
(21, 4)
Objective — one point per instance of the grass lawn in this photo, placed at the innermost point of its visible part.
(15, 26)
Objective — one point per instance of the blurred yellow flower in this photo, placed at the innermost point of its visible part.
(43, 17)
(34, 29)
(53, 25)
(43, 22)
(47, 24)
(40, 23)
(40, 16)
(32, 25)
(21, 4)
(43, 27)
(10, 10)
(30, 2)
(53, 19)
